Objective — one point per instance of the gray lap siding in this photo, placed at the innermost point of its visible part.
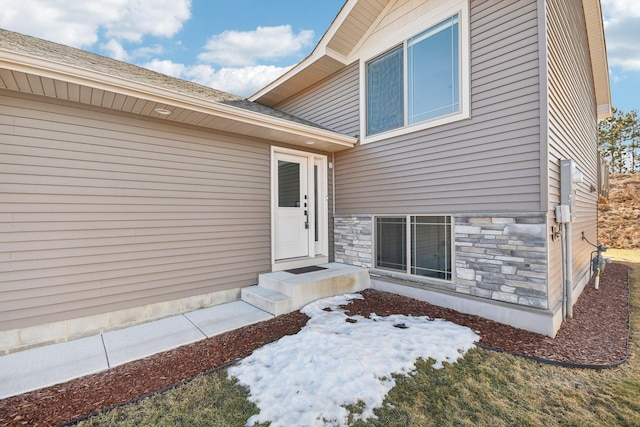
(102, 212)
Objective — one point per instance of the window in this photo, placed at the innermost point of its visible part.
(288, 184)
(385, 89)
(417, 81)
(423, 248)
(432, 66)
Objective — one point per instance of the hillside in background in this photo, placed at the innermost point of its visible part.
(619, 217)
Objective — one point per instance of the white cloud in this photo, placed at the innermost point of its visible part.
(167, 67)
(231, 61)
(242, 81)
(621, 8)
(622, 32)
(114, 49)
(148, 51)
(78, 23)
(112, 25)
(161, 18)
(236, 48)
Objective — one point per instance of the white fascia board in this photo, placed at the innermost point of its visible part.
(356, 52)
(299, 67)
(97, 80)
(318, 52)
(598, 50)
(335, 55)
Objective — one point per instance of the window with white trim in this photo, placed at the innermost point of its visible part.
(416, 245)
(416, 82)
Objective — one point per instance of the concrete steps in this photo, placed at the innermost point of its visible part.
(267, 300)
(281, 292)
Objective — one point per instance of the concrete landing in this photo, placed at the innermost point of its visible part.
(281, 292)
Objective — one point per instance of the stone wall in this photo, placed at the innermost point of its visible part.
(498, 257)
(502, 258)
(353, 243)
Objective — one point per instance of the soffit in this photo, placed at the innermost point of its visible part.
(306, 74)
(102, 82)
(330, 55)
(598, 51)
(357, 17)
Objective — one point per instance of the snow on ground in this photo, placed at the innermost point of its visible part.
(306, 379)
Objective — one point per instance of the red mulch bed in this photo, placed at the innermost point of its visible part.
(597, 336)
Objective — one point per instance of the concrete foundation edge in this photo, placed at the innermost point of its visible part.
(52, 333)
(544, 322)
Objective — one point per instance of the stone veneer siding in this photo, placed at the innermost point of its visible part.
(353, 243)
(502, 258)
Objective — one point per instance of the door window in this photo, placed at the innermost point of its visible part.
(288, 184)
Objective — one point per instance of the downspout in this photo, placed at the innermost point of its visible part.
(569, 270)
(333, 206)
(333, 184)
(569, 177)
(563, 263)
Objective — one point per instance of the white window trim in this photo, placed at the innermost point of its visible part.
(407, 272)
(400, 36)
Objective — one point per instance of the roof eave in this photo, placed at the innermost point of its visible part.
(295, 132)
(322, 63)
(265, 95)
(331, 54)
(598, 51)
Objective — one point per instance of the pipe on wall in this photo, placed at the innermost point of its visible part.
(569, 270)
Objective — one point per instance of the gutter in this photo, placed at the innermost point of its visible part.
(76, 75)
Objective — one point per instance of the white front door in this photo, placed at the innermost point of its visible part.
(291, 216)
(300, 232)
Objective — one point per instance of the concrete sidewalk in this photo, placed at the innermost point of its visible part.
(44, 366)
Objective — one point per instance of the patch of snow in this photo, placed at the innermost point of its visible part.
(307, 379)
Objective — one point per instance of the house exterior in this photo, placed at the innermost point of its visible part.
(114, 212)
(128, 195)
(453, 199)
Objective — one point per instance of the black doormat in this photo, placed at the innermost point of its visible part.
(303, 270)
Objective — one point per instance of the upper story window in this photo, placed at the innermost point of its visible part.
(433, 78)
(418, 83)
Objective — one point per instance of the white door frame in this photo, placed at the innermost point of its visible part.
(318, 250)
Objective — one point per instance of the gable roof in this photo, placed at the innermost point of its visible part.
(35, 66)
(330, 54)
(357, 16)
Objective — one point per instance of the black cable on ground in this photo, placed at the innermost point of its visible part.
(561, 363)
(566, 364)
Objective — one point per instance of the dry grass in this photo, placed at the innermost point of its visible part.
(483, 389)
(493, 389)
(619, 217)
(629, 257)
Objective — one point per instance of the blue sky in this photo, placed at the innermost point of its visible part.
(622, 31)
(241, 45)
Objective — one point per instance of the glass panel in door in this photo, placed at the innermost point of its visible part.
(291, 220)
(288, 184)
